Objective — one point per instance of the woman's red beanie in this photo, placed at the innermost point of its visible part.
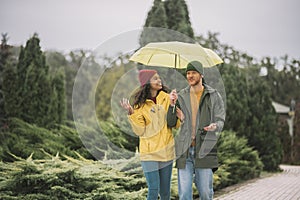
(145, 75)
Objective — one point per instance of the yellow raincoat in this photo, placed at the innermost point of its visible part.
(149, 123)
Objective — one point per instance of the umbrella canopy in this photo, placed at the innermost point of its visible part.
(175, 55)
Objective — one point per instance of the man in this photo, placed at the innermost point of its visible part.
(200, 109)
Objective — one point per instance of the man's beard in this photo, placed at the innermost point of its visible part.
(196, 82)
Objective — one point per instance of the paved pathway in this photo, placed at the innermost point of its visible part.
(281, 186)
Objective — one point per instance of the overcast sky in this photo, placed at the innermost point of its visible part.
(257, 27)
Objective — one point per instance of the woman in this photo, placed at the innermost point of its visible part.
(147, 117)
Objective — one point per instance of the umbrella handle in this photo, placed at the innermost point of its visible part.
(174, 90)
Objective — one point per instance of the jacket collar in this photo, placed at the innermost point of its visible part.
(185, 95)
(159, 98)
(207, 89)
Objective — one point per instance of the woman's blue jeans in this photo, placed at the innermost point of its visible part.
(158, 176)
(203, 178)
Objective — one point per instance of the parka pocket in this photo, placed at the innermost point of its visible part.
(208, 142)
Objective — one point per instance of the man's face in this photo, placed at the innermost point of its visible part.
(193, 77)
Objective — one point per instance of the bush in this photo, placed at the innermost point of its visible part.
(23, 139)
(70, 178)
(238, 162)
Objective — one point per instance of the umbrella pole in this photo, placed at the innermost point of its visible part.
(175, 78)
(175, 67)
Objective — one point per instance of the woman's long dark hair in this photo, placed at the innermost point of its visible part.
(144, 93)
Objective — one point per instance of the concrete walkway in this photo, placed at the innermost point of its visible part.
(281, 186)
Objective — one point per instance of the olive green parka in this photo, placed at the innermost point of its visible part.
(211, 110)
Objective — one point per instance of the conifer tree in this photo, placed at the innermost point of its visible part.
(236, 98)
(34, 84)
(178, 17)
(157, 15)
(165, 16)
(250, 112)
(262, 124)
(156, 18)
(8, 78)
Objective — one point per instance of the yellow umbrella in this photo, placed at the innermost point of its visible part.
(213, 56)
(175, 55)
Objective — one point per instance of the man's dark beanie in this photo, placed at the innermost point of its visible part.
(195, 66)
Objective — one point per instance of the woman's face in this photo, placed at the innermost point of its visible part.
(155, 82)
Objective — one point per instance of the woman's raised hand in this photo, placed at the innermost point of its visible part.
(126, 105)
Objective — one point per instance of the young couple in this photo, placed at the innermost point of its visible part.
(199, 112)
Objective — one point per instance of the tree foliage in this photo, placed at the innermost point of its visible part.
(237, 111)
(29, 92)
(67, 66)
(178, 17)
(167, 21)
(263, 125)
(157, 15)
(283, 76)
(54, 178)
(296, 137)
(156, 18)
(238, 161)
(58, 104)
(73, 173)
(23, 139)
(11, 98)
(3, 58)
